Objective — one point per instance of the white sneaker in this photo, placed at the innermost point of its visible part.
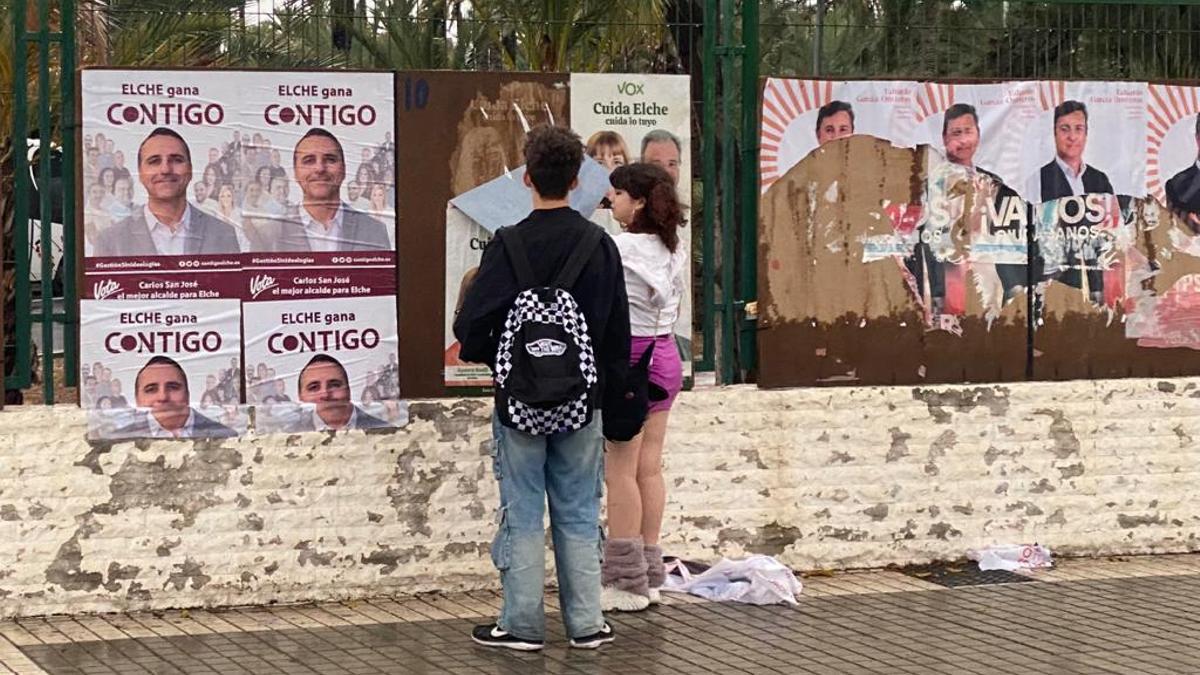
(613, 599)
(655, 596)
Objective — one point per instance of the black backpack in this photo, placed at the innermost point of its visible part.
(546, 377)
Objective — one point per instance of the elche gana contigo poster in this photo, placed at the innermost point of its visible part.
(214, 201)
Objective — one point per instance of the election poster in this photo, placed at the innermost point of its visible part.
(160, 310)
(161, 369)
(471, 179)
(1173, 180)
(985, 231)
(1172, 146)
(980, 127)
(799, 116)
(319, 363)
(1095, 129)
(626, 118)
(319, 291)
(205, 193)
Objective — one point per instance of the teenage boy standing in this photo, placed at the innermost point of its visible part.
(566, 467)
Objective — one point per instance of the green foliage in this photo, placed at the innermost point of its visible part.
(982, 38)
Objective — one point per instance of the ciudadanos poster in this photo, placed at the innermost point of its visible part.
(987, 212)
(207, 195)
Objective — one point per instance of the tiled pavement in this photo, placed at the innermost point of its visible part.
(1129, 615)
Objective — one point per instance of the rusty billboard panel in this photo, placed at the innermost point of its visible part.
(890, 255)
(865, 284)
(456, 131)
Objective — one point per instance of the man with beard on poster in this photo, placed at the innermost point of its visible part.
(167, 224)
(163, 411)
(324, 383)
(326, 223)
(834, 120)
(1183, 190)
(1068, 176)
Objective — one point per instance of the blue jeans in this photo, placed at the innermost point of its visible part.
(569, 469)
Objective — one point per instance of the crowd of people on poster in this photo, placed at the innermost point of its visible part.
(244, 199)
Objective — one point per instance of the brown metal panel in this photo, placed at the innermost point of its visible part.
(439, 156)
(1079, 339)
(829, 317)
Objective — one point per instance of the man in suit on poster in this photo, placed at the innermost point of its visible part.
(167, 224)
(162, 396)
(325, 384)
(1068, 176)
(961, 136)
(1183, 190)
(325, 222)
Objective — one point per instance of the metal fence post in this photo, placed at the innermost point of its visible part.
(708, 130)
(729, 131)
(20, 377)
(818, 38)
(66, 87)
(45, 206)
(748, 269)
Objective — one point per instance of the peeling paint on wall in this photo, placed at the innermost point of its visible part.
(344, 515)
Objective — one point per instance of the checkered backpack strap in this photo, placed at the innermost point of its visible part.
(510, 238)
(571, 269)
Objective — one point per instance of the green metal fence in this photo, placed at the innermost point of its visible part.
(44, 51)
(717, 41)
(1093, 39)
(666, 36)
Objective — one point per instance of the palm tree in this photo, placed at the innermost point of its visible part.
(407, 35)
(155, 33)
(298, 34)
(553, 35)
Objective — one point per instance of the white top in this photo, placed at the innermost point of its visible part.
(654, 281)
(321, 238)
(234, 219)
(351, 423)
(168, 242)
(156, 430)
(118, 210)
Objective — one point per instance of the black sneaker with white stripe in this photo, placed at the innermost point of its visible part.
(493, 635)
(603, 637)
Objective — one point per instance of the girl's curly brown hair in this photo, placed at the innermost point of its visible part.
(662, 214)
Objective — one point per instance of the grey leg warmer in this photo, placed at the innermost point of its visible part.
(655, 573)
(624, 566)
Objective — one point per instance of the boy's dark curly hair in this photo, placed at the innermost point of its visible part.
(661, 214)
(552, 159)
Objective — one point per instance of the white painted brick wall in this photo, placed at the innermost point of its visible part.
(822, 478)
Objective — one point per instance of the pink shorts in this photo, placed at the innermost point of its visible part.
(666, 370)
